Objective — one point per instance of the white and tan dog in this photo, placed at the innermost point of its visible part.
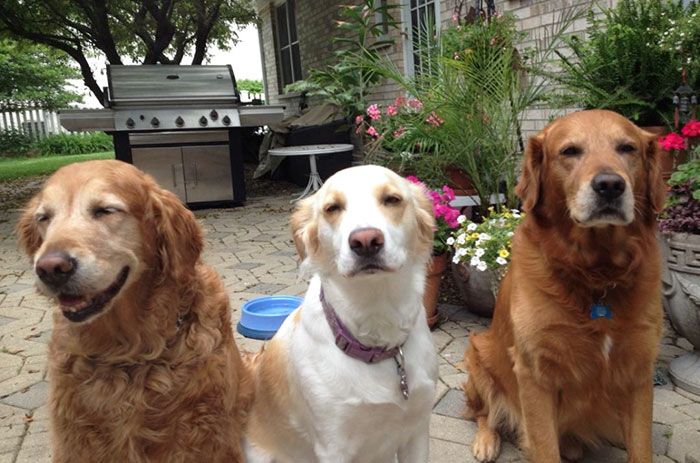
(329, 384)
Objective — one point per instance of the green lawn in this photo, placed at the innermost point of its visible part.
(14, 168)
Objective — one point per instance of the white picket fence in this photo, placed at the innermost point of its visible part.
(35, 122)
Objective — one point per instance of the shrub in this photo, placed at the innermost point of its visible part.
(14, 143)
(75, 143)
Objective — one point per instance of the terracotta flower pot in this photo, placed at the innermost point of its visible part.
(459, 181)
(436, 268)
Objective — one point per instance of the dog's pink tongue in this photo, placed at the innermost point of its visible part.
(70, 301)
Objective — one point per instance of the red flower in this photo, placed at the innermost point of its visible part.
(691, 129)
(672, 141)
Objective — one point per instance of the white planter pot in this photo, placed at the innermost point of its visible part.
(681, 299)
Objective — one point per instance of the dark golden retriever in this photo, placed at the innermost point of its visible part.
(568, 360)
(142, 361)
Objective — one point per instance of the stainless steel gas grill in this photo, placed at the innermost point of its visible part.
(181, 124)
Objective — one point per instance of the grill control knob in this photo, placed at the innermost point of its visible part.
(155, 122)
(226, 120)
(202, 121)
(130, 123)
(179, 121)
(214, 115)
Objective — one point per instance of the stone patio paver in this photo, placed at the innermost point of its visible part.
(253, 252)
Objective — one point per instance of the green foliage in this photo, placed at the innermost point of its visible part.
(631, 61)
(144, 31)
(14, 143)
(688, 172)
(250, 85)
(11, 169)
(34, 75)
(74, 143)
(345, 83)
(471, 104)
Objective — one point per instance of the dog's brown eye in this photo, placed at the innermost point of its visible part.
(332, 208)
(571, 151)
(626, 148)
(100, 211)
(391, 200)
(42, 217)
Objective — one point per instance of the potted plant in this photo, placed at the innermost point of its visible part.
(481, 253)
(680, 244)
(446, 220)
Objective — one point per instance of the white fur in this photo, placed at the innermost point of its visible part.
(340, 409)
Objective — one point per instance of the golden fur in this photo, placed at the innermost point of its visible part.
(128, 385)
(545, 369)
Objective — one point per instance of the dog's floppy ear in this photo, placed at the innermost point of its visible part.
(304, 228)
(27, 230)
(656, 187)
(178, 238)
(424, 214)
(530, 184)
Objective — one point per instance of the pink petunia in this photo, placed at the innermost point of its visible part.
(691, 129)
(455, 17)
(374, 112)
(398, 132)
(359, 119)
(391, 110)
(672, 141)
(372, 131)
(413, 179)
(449, 193)
(414, 103)
(434, 120)
(400, 101)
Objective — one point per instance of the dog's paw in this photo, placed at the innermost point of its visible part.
(571, 449)
(486, 445)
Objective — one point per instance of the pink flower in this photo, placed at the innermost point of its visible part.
(456, 55)
(398, 132)
(672, 141)
(499, 14)
(691, 129)
(391, 110)
(414, 103)
(372, 131)
(374, 112)
(434, 119)
(455, 18)
(413, 179)
(359, 119)
(449, 193)
(400, 101)
(493, 41)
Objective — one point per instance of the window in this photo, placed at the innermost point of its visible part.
(421, 17)
(380, 18)
(288, 43)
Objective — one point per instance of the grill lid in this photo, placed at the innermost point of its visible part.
(164, 83)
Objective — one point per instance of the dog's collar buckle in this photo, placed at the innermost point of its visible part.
(346, 342)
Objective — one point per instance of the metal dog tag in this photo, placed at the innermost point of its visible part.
(403, 381)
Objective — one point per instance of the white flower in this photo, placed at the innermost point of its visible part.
(481, 266)
(450, 241)
(501, 261)
(455, 259)
(471, 227)
(461, 219)
(461, 239)
(492, 221)
(509, 234)
(479, 252)
(461, 252)
(484, 236)
(514, 211)
(475, 261)
(516, 215)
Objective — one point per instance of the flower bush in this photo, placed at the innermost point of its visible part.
(446, 217)
(682, 211)
(486, 245)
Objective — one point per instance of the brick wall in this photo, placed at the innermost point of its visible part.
(316, 29)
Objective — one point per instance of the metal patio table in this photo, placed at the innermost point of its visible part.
(311, 151)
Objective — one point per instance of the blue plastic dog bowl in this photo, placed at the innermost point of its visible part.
(262, 317)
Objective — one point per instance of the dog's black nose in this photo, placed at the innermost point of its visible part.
(609, 186)
(366, 242)
(55, 268)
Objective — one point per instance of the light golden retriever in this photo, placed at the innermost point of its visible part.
(568, 360)
(329, 385)
(142, 361)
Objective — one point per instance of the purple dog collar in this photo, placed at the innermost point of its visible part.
(347, 342)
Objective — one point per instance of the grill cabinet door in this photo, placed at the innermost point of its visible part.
(207, 173)
(164, 165)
